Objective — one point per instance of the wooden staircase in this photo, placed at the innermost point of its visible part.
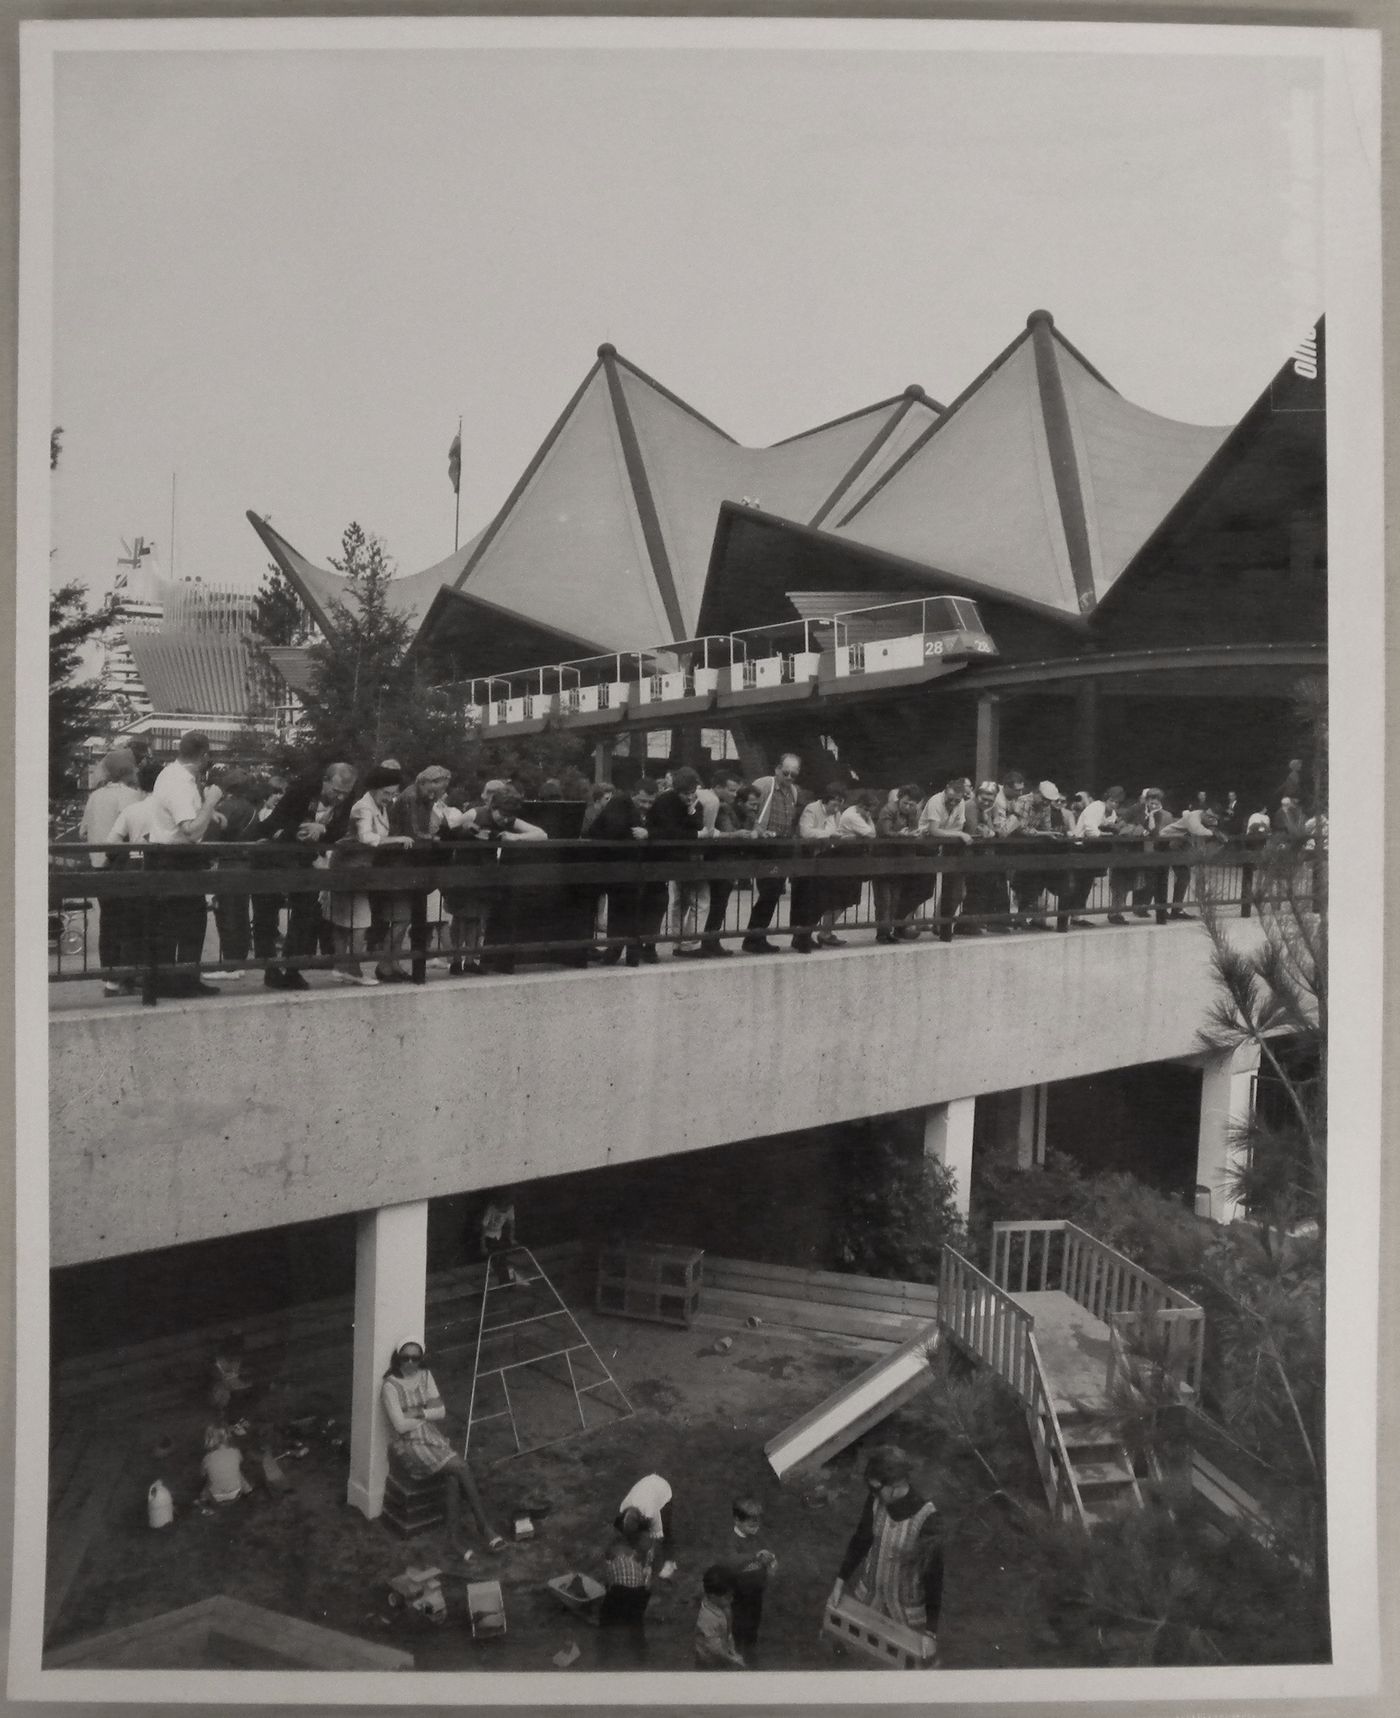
(1062, 1320)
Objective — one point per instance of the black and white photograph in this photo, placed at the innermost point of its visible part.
(767, 586)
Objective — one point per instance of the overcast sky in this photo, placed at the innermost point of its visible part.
(284, 275)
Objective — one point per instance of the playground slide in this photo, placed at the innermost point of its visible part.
(855, 1408)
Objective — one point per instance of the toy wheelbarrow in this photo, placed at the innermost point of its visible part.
(577, 1593)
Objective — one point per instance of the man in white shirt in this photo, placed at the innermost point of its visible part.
(945, 815)
(649, 1503)
(182, 811)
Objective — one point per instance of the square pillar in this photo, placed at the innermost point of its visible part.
(391, 1293)
(948, 1139)
(1030, 1127)
(602, 762)
(1227, 1103)
(988, 751)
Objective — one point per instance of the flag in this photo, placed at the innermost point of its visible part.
(454, 464)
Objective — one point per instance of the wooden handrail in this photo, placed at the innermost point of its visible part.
(999, 1341)
(1104, 1281)
(1041, 1413)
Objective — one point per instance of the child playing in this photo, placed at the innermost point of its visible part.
(749, 1566)
(224, 1480)
(714, 1634)
(231, 1390)
(498, 1234)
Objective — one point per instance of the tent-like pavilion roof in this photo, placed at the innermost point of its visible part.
(1038, 486)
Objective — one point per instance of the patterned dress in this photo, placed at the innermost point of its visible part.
(891, 1579)
(417, 1443)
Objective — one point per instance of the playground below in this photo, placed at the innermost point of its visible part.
(702, 1414)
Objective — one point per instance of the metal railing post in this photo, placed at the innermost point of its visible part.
(152, 952)
(418, 936)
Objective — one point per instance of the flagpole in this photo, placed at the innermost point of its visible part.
(457, 519)
(172, 524)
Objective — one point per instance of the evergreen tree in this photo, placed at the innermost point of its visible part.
(74, 705)
(279, 615)
(368, 698)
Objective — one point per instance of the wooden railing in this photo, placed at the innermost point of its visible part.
(988, 1324)
(984, 1320)
(1060, 1255)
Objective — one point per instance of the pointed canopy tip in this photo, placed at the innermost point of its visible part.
(1040, 316)
(607, 350)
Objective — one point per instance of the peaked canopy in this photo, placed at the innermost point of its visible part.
(1040, 483)
(1039, 486)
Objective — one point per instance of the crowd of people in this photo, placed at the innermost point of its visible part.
(339, 817)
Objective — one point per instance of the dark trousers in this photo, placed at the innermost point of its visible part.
(113, 933)
(267, 924)
(747, 1615)
(766, 896)
(651, 911)
(807, 905)
(622, 910)
(231, 916)
(304, 926)
(952, 890)
(622, 1626)
(180, 938)
(986, 893)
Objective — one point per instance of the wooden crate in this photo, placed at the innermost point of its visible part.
(650, 1281)
(413, 1503)
(874, 1636)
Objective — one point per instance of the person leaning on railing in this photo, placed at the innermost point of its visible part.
(183, 811)
(498, 823)
(987, 890)
(676, 815)
(896, 896)
(133, 826)
(311, 816)
(945, 817)
(115, 791)
(813, 906)
(736, 809)
(779, 808)
(624, 819)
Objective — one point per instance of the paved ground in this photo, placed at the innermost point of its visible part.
(701, 1419)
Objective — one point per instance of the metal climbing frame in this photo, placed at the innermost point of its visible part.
(534, 1302)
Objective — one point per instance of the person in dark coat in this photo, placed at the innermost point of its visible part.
(676, 815)
(624, 818)
(311, 816)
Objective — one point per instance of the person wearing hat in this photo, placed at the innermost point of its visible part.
(307, 821)
(352, 916)
(1045, 815)
(894, 1561)
(415, 1411)
(116, 789)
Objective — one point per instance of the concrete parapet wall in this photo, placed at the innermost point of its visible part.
(186, 1122)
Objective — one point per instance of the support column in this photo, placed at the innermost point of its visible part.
(948, 1139)
(1030, 1127)
(1086, 737)
(988, 753)
(1227, 1103)
(391, 1290)
(602, 761)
